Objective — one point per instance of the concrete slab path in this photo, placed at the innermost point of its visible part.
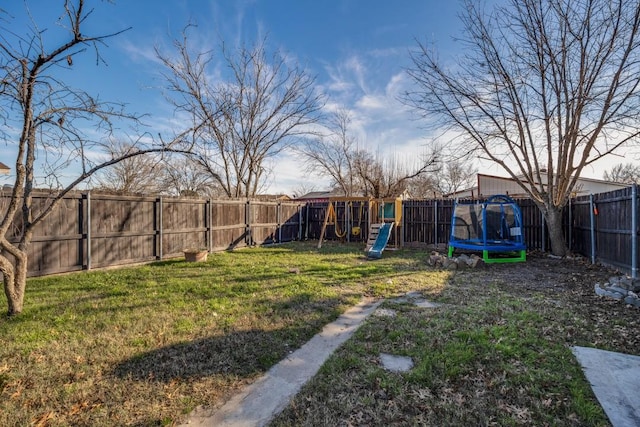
(266, 397)
(615, 380)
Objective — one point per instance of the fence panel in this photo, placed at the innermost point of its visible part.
(228, 224)
(183, 225)
(290, 222)
(263, 222)
(534, 228)
(122, 230)
(612, 214)
(419, 222)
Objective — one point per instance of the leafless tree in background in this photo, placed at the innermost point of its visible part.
(133, 175)
(543, 85)
(50, 125)
(332, 155)
(303, 189)
(380, 178)
(625, 173)
(185, 176)
(455, 175)
(353, 170)
(424, 186)
(266, 104)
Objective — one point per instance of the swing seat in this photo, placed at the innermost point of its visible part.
(355, 231)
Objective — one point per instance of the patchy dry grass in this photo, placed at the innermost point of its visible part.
(495, 353)
(146, 345)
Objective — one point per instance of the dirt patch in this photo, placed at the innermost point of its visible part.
(566, 283)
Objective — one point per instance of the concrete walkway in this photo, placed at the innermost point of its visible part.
(270, 394)
(614, 377)
(615, 380)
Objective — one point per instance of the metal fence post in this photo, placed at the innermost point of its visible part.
(634, 231)
(593, 230)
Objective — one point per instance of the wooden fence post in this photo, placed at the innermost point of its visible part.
(593, 229)
(159, 227)
(634, 231)
(570, 227)
(88, 231)
(247, 220)
(543, 242)
(435, 222)
(279, 220)
(208, 224)
(299, 222)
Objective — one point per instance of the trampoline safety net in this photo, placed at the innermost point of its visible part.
(493, 226)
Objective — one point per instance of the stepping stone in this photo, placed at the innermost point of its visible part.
(385, 312)
(423, 303)
(396, 363)
(414, 294)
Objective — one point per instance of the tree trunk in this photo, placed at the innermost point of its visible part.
(556, 233)
(15, 281)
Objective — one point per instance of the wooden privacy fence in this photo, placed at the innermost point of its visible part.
(95, 230)
(605, 228)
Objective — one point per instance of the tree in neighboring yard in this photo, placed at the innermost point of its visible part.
(331, 155)
(354, 170)
(625, 173)
(45, 120)
(133, 175)
(185, 176)
(543, 85)
(389, 177)
(456, 175)
(266, 104)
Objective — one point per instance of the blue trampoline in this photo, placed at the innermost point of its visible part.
(493, 228)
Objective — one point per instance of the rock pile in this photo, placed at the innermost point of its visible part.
(436, 259)
(621, 288)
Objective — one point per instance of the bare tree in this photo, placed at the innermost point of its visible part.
(543, 85)
(45, 120)
(332, 155)
(185, 176)
(424, 186)
(133, 175)
(356, 171)
(380, 178)
(455, 175)
(302, 189)
(266, 104)
(626, 173)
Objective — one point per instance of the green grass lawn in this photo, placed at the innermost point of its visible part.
(496, 352)
(146, 345)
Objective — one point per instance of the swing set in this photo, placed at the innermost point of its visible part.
(349, 215)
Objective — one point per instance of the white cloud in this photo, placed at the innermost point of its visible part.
(371, 102)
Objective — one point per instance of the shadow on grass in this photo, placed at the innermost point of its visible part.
(236, 353)
(241, 354)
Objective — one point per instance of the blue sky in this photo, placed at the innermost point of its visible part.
(357, 49)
